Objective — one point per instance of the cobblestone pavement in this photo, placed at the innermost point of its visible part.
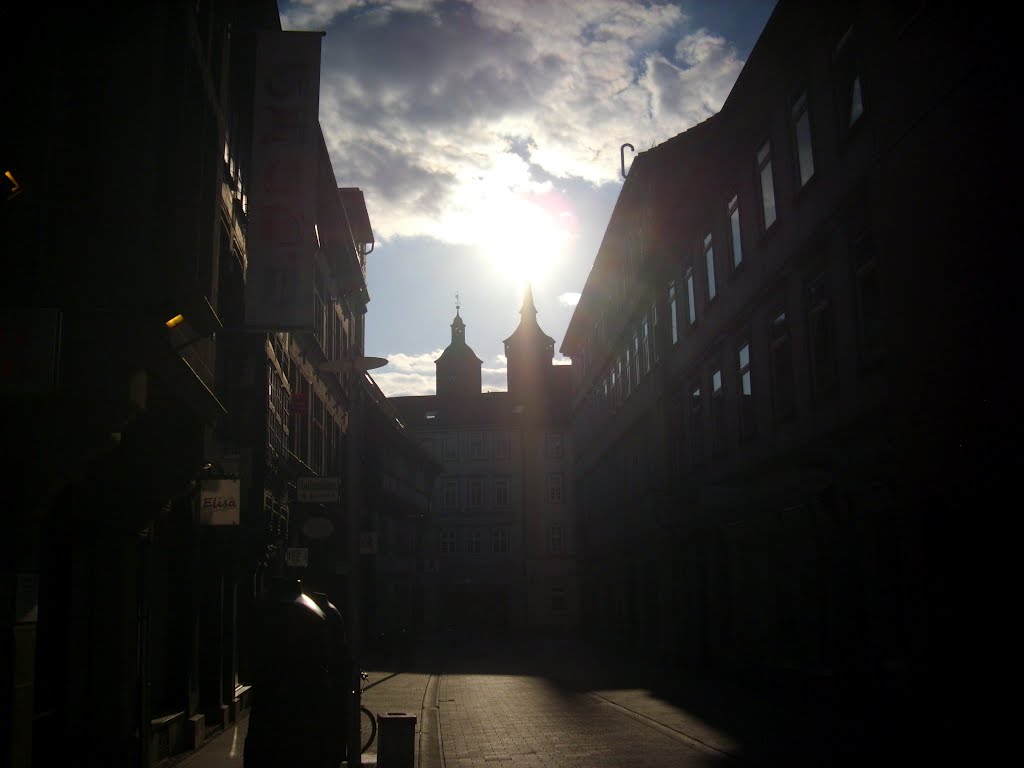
(526, 721)
(531, 703)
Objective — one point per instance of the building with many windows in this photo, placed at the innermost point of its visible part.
(498, 548)
(786, 401)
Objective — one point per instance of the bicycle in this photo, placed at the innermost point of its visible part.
(367, 722)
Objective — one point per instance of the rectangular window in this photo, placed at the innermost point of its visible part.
(718, 441)
(819, 328)
(556, 487)
(783, 392)
(451, 493)
(655, 335)
(747, 422)
(474, 492)
(447, 539)
(673, 311)
(473, 542)
(501, 445)
(476, 446)
(499, 541)
(556, 538)
(696, 427)
(802, 140)
(645, 334)
(849, 92)
(627, 378)
(451, 448)
(709, 260)
(736, 239)
(869, 300)
(764, 170)
(554, 444)
(501, 492)
(691, 303)
(636, 358)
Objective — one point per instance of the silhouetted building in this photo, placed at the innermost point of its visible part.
(788, 409)
(164, 388)
(498, 547)
(397, 506)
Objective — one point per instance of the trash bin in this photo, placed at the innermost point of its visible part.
(396, 740)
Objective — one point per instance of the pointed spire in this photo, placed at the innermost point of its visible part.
(458, 326)
(528, 305)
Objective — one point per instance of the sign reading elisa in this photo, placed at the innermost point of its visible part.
(219, 501)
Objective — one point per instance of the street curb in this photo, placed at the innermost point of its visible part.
(666, 729)
(430, 753)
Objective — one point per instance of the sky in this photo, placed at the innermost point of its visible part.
(486, 136)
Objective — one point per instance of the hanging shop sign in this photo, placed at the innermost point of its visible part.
(318, 490)
(281, 238)
(297, 557)
(219, 501)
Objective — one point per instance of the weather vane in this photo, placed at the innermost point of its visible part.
(457, 306)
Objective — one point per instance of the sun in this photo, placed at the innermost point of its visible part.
(524, 235)
(526, 243)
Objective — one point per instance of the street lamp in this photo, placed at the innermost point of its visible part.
(353, 364)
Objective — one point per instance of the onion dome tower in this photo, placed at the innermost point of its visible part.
(458, 368)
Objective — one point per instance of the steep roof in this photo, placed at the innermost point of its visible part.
(528, 327)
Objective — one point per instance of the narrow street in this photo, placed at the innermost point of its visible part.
(534, 704)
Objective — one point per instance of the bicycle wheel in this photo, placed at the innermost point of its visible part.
(367, 728)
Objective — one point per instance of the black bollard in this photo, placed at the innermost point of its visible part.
(396, 740)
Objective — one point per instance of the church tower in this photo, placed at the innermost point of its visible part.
(529, 352)
(458, 368)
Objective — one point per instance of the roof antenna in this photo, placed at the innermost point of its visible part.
(622, 156)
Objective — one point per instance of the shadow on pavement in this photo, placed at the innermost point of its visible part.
(764, 721)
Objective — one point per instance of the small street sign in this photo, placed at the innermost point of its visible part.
(297, 557)
(322, 490)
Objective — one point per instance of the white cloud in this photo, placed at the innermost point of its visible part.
(395, 384)
(445, 113)
(408, 374)
(494, 379)
(569, 299)
(415, 374)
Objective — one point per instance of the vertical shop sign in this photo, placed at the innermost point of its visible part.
(281, 237)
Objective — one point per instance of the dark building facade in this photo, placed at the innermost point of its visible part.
(498, 546)
(398, 495)
(786, 405)
(155, 437)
